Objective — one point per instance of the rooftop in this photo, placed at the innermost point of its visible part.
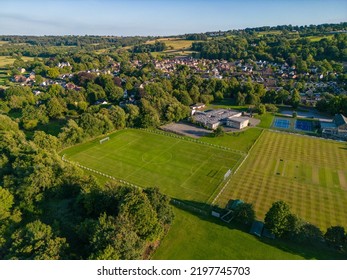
(214, 116)
(340, 119)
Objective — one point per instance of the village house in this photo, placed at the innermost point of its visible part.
(337, 128)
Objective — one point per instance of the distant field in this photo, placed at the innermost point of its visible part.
(180, 168)
(176, 46)
(3, 76)
(273, 32)
(318, 38)
(175, 43)
(3, 42)
(194, 238)
(309, 174)
(5, 60)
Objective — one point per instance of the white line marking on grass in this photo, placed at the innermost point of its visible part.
(149, 162)
(203, 163)
(244, 159)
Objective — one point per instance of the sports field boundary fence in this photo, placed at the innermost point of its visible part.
(161, 132)
(100, 173)
(191, 208)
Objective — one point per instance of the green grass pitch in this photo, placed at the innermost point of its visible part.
(310, 174)
(180, 168)
(193, 238)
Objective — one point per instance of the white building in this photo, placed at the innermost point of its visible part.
(236, 122)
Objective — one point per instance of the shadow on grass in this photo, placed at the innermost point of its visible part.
(308, 250)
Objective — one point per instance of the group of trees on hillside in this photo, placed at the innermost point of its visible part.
(146, 48)
(51, 210)
(301, 51)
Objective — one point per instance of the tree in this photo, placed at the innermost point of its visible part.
(7, 201)
(117, 116)
(46, 141)
(308, 233)
(37, 241)
(261, 109)
(150, 117)
(113, 239)
(71, 133)
(55, 108)
(18, 97)
(335, 236)
(219, 131)
(132, 115)
(32, 116)
(244, 213)
(114, 93)
(295, 98)
(240, 99)
(56, 91)
(161, 204)
(277, 219)
(137, 209)
(53, 73)
(95, 92)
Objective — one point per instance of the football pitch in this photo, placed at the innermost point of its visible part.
(180, 168)
(310, 174)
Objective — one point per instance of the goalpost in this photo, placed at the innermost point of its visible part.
(104, 140)
(227, 174)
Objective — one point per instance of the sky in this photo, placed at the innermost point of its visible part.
(160, 17)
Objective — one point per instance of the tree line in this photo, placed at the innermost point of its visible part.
(52, 210)
(281, 222)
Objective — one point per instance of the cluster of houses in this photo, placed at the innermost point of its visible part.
(335, 129)
(314, 90)
(260, 71)
(211, 119)
(24, 79)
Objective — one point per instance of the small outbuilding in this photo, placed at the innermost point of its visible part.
(238, 123)
(257, 228)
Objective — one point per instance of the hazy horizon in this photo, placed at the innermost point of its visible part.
(160, 18)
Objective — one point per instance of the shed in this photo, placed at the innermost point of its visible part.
(257, 228)
(234, 203)
(268, 234)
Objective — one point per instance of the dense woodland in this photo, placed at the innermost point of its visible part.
(51, 209)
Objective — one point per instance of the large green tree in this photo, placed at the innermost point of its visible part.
(244, 213)
(113, 239)
(335, 236)
(37, 241)
(277, 219)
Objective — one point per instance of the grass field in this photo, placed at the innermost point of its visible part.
(194, 238)
(5, 60)
(3, 76)
(180, 168)
(310, 174)
(175, 46)
(174, 43)
(265, 120)
(242, 140)
(318, 38)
